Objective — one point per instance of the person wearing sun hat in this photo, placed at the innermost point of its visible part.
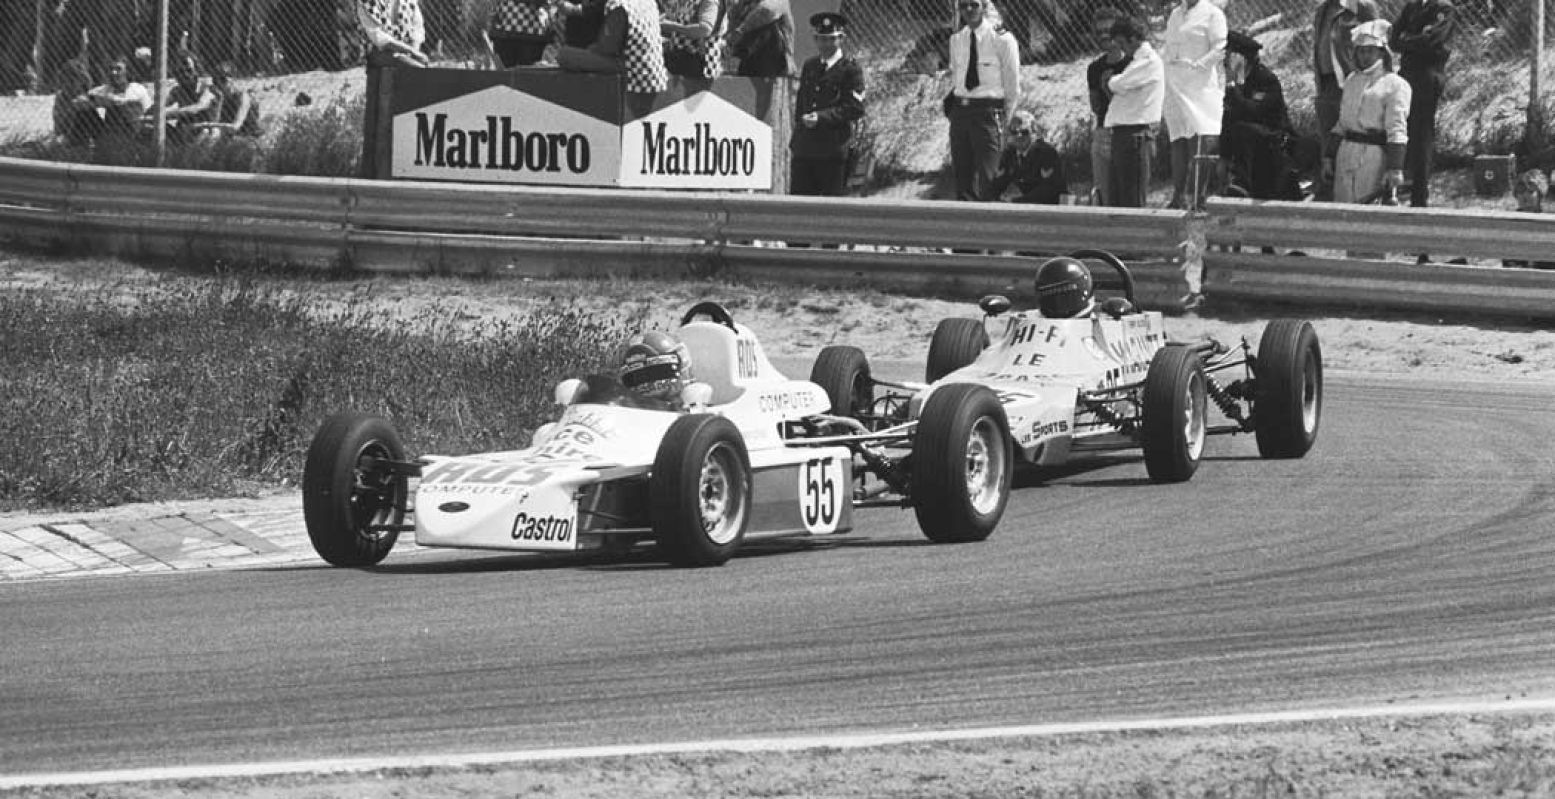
(1365, 150)
(827, 106)
(1255, 126)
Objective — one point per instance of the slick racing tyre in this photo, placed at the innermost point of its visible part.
(700, 491)
(1175, 415)
(962, 463)
(956, 343)
(353, 502)
(843, 372)
(1288, 400)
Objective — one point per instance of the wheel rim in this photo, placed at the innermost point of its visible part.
(1309, 393)
(373, 491)
(1193, 418)
(985, 465)
(721, 495)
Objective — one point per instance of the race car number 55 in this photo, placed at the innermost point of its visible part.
(820, 494)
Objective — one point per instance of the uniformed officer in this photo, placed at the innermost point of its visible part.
(1255, 125)
(830, 100)
(1420, 35)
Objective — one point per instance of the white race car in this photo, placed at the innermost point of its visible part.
(744, 458)
(1107, 380)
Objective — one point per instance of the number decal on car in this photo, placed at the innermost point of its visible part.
(821, 487)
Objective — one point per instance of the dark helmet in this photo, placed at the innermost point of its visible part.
(1064, 288)
(655, 364)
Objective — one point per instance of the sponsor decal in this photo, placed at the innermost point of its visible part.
(541, 528)
(702, 153)
(700, 142)
(454, 507)
(498, 146)
(1043, 430)
(1033, 332)
(463, 490)
(571, 442)
(786, 402)
(466, 473)
(499, 134)
(745, 358)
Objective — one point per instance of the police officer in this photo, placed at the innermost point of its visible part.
(1255, 125)
(830, 100)
(1420, 35)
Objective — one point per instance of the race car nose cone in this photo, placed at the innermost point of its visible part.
(453, 507)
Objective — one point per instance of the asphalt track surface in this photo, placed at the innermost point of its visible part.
(1408, 558)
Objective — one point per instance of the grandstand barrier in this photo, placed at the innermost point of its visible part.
(949, 248)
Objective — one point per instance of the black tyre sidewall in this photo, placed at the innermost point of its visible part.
(956, 343)
(1174, 371)
(328, 477)
(837, 371)
(1278, 422)
(940, 502)
(674, 487)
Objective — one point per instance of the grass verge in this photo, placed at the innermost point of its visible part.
(189, 388)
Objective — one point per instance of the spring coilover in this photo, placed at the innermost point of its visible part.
(1223, 398)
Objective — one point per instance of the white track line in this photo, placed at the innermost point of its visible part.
(753, 745)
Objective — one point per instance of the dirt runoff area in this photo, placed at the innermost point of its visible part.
(796, 322)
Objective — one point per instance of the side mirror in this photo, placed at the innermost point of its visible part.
(567, 391)
(696, 395)
(994, 304)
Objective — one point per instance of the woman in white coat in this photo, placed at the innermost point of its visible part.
(1195, 88)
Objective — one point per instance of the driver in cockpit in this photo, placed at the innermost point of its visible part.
(1065, 291)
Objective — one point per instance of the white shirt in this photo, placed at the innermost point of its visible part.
(998, 64)
(1137, 91)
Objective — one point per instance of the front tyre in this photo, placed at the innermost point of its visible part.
(956, 343)
(843, 373)
(1174, 425)
(963, 460)
(1288, 401)
(700, 491)
(352, 499)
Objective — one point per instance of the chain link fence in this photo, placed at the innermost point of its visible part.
(300, 57)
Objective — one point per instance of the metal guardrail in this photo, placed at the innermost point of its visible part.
(951, 248)
(1234, 267)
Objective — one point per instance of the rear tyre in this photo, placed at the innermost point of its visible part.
(843, 372)
(349, 491)
(1175, 415)
(956, 343)
(700, 491)
(962, 463)
(1288, 401)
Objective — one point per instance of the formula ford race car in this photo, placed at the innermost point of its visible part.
(1104, 379)
(747, 453)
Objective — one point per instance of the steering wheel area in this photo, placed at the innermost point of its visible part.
(1116, 263)
(714, 313)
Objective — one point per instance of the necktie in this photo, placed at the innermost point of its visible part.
(972, 80)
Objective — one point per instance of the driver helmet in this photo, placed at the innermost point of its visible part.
(655, 364)
(1064, 288)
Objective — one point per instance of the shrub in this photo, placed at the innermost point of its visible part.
(320, 140)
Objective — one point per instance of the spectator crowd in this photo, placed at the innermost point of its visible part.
(1197, 93)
